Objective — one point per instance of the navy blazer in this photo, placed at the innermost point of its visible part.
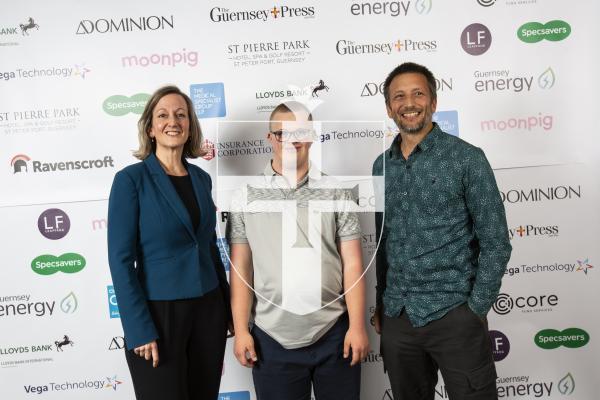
(153, 251)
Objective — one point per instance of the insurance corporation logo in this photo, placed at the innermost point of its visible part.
(68, 263)
(22, 163)
(553, 31)
(251, 54)
(221, 14)
(208, 99)
(119, 105)
(476, 39)
(572, 338)
(506, 303)
(541, 194)
(208, 147)
(500, 345)
(125, 25)
(350, 47)
(170, 59)
(54, 223)
(390, 8)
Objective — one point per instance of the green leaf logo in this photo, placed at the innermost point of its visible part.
(546, 79)
(533, 32)
(552, 339)
(47, 264)
(69, 304)
(566, 385)
(119, 105)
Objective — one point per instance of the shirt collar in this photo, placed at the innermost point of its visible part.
(428, 141)
(313, 173)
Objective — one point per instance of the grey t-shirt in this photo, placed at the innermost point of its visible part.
(266, 233)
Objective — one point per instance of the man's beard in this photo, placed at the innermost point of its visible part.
(413, 129)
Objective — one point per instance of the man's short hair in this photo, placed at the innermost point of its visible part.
(410, 67)
(294, 107)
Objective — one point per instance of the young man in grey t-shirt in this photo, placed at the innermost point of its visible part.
(294, 344)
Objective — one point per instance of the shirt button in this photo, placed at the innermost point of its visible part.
(404, 193)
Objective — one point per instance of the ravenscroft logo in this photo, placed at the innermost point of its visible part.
(208, 99)
(516, 124)
(550, 231)
(538, 194)
(566, 385)
(584, 265)
(173, 59)
(113, 306)
(19, 164)
(47, 264)
(119, 105)
(554, 31)
(117, 343)
(571, 338)
(500, 345)
(476, 39)
(527, 304)
(54, 223)
(69, 304)
(447, 120)
(102, 25)
(220, 14)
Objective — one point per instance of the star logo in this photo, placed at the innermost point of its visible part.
(112, 382)
(584, 265)
(81, 70)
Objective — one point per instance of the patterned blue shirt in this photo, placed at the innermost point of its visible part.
(445, 239)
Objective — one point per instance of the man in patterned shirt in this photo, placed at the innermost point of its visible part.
(289, 349)
(443, 251)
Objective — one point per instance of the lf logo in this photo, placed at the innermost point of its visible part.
(476, 39)
(500, 345)
(54, 224)
(301, 219)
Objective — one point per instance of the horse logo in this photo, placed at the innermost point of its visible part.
(64, 342)
(319, 87)
(31, 24)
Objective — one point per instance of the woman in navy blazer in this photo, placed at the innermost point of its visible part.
(168, 276)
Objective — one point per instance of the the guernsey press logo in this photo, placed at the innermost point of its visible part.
(221, 14)
(23, 163)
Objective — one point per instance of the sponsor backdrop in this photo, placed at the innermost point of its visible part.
(517, 78)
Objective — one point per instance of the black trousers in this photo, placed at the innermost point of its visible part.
(191, 346)
(287, 374)
(457, 344)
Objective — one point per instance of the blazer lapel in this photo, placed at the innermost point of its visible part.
(169, 193)
(202, 197)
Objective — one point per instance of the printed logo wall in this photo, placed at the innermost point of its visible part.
(516, 78)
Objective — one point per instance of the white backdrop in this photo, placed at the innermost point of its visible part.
(75, 76)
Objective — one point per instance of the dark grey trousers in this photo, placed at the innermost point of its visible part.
(457, 344)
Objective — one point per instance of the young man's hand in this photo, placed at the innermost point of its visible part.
(243, 349)
(357, 340)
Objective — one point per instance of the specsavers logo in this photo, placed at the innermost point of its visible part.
(553, 31)
(69, 263)
(119, 105)
(571, 338)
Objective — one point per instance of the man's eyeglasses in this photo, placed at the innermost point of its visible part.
(298, 135)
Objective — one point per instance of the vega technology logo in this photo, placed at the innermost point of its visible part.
(584, 266)
(553, 31)
(68, 263)
(119, 105)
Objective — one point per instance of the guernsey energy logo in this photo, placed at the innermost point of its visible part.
(119, 105)
(571, 338)
(47, 264)
(553, 31)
